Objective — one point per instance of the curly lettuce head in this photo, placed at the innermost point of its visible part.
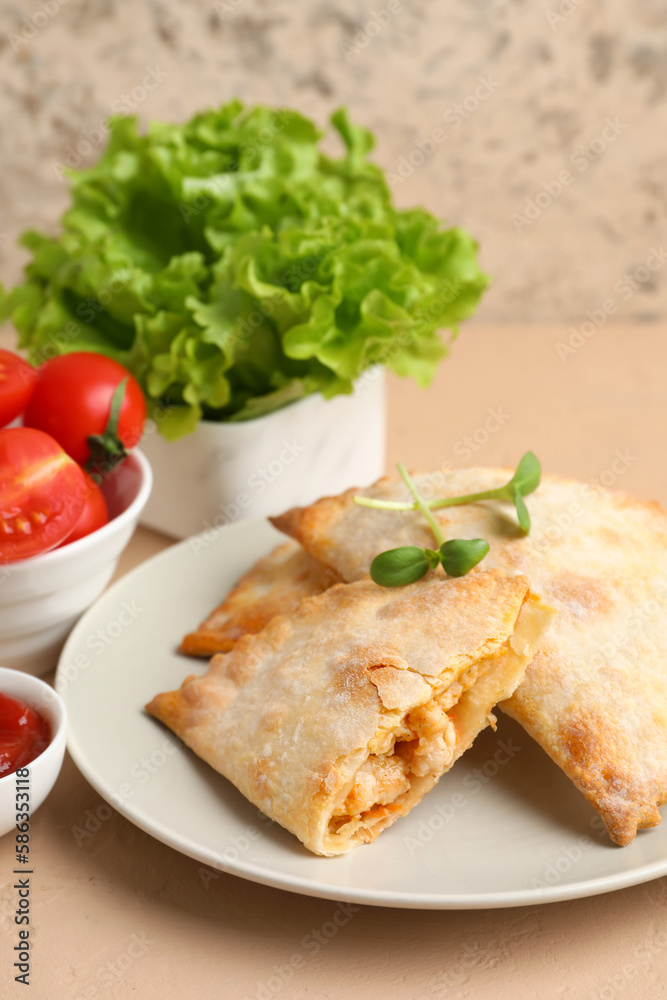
(234, 268)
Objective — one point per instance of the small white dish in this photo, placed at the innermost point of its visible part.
(505, 827)
(227, 471)
(43, 769)
(42, 597)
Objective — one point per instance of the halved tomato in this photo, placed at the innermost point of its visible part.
(94, 514)
(17, 381)
(42, 493)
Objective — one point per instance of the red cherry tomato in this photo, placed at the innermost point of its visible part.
(72, 400)
(17, 381)
(24, 733)
(42, 493)
(94, 514)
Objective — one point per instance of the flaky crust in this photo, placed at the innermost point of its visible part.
(291, 713)
(595, 696)
(272, 587)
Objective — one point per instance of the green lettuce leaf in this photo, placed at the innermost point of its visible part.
(234, 267)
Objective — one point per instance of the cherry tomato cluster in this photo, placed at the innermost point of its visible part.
(80, 413)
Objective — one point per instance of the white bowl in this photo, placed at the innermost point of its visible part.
(42, 597)
(227, 471)
(43, 769)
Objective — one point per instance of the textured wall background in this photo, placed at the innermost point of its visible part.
(502, 96)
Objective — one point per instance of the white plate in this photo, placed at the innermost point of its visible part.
(504, 828)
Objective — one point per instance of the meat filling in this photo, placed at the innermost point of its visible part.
(378, 781)
(424, 745)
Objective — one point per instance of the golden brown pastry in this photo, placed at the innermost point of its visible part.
(336, 720)
(595, 696)
(273, 586)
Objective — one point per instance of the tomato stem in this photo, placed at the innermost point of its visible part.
(106, 449)
(111, 428)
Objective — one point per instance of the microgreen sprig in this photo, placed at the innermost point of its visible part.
(408, 563)
(525, 480)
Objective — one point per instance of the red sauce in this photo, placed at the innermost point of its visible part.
(24, 733)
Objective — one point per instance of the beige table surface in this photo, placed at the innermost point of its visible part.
(121, 915)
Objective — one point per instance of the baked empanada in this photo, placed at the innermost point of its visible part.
(595, 696)
(273, 586)
(336, 720)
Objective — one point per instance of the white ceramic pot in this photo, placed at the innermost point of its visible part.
(42, 597)
(44, 769)
(227, 471)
